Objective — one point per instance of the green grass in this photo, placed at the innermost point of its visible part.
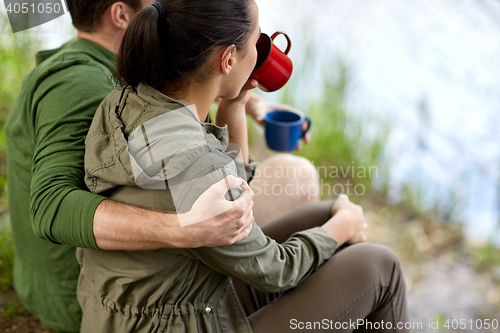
(486, 256)
(6, 260)
(11, 306)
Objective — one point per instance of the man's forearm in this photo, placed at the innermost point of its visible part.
(122, 227)
(119, 226)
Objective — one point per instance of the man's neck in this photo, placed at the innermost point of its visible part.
(107, 41)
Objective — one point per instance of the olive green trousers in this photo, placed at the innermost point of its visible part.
(360, 288)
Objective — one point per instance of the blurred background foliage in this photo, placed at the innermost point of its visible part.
(16, 60)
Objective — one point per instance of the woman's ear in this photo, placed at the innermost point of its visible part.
(227, 59)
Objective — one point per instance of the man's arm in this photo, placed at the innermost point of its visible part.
(64, 213)
(118, 226)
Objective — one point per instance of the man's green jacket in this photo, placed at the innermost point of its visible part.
(46, 131)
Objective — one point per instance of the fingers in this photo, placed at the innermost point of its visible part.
(363, 231)
(341, 201)
(245, 187)
(305, 124)
(343, 197)
(250, 84)
(245, 202)
(248, 216)
(355, 215)
(222, 186)
(233, 182)
(249, 219)
(245, 231)
(307, 138)
(234, 222)
(247, 222)
(246, 206)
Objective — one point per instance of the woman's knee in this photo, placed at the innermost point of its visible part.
(286, 168)
(282, 183)
(379, 254)
(374, 261)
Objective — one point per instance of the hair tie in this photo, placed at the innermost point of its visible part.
(161, 10)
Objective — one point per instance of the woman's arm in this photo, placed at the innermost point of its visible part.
(266, 265)
(232, 113)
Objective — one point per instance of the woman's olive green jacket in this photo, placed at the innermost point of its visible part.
(175, 290)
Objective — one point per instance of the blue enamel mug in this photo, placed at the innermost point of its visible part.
(284, 129)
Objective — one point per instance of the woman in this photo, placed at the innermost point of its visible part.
(148, 145)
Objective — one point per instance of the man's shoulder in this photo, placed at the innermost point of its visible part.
(77, 51)
(82, 60)
(77, 75)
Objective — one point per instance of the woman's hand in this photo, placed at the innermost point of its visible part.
(244, 96)
(257, 107)
(348, 222)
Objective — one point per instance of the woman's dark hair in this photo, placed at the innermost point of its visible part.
(168, 52)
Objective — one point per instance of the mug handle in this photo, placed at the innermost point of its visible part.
(309, 122)
(289, 45)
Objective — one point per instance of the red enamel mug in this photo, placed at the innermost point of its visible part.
(274, 67)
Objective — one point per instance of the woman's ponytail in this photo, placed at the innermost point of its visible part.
(168, 50)
(141, 58)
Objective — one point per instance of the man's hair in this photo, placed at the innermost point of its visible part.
(87, 15)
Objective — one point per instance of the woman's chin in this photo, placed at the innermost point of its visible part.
(230, 96)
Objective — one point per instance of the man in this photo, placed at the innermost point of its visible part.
(48, 202)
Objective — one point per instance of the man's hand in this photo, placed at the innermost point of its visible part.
(216, 221)
(257, 107)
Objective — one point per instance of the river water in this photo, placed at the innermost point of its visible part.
(431, 67)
